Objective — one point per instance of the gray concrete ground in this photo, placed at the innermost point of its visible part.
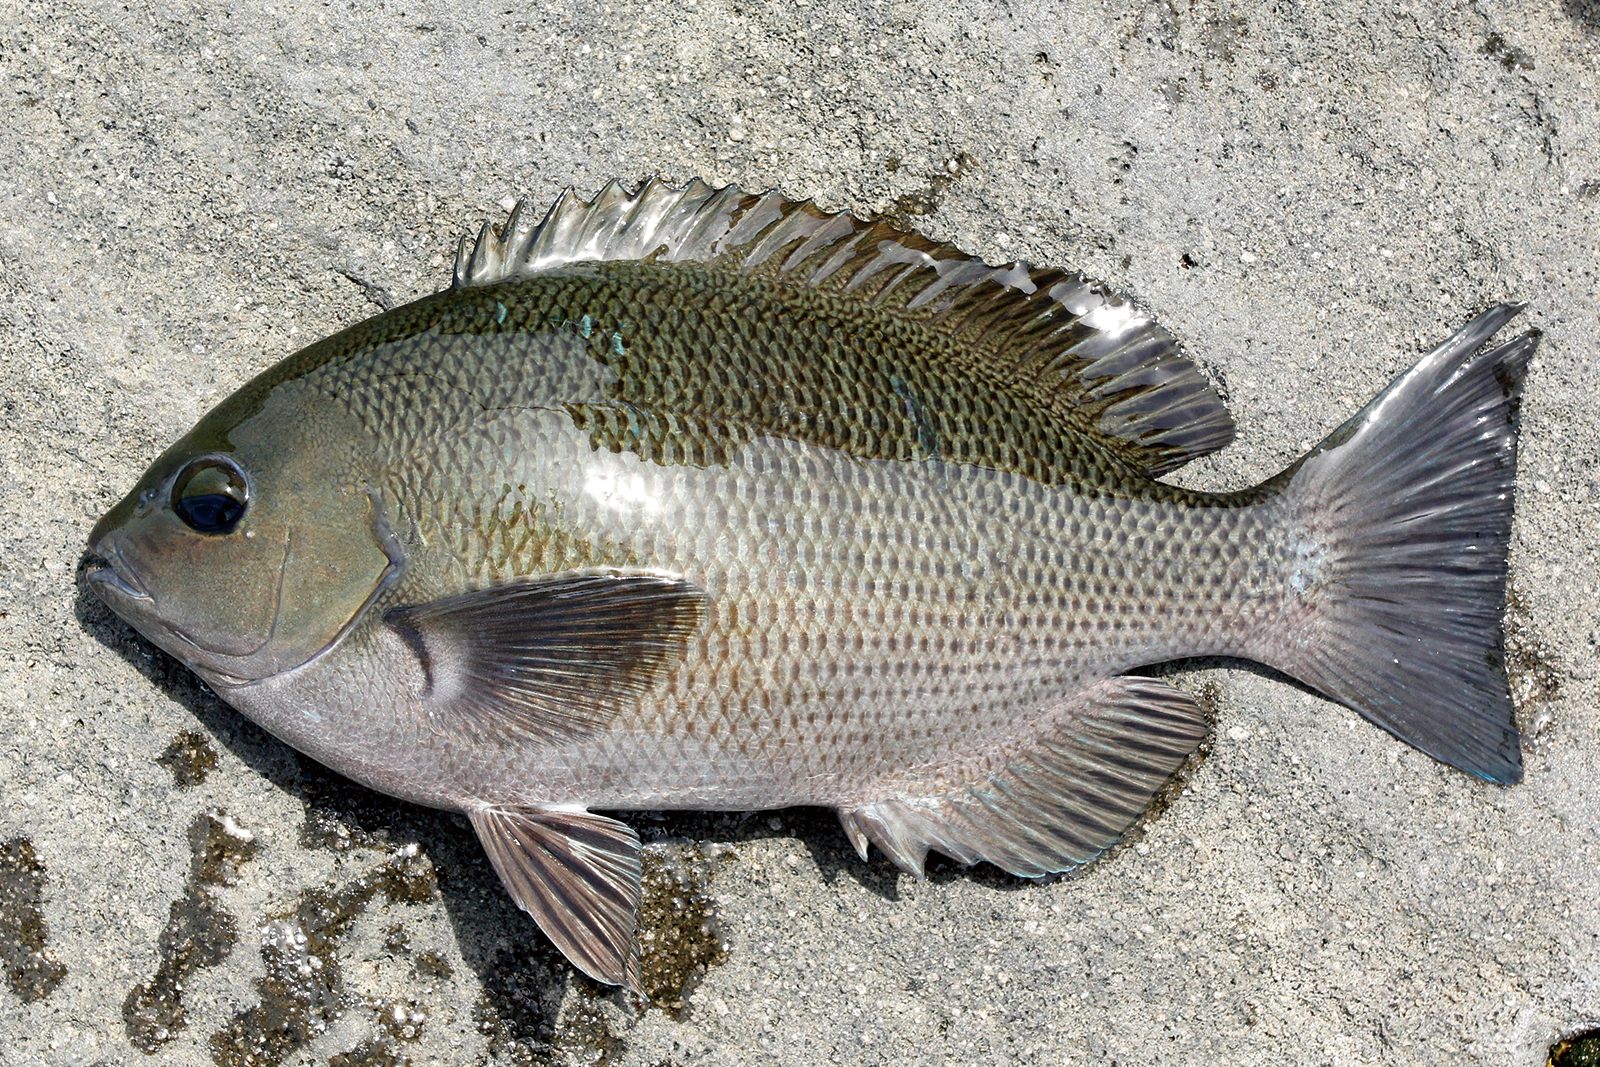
(1307, 194)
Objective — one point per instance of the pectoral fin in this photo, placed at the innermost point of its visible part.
(1052, 805)
(579, 876)
(549, 658)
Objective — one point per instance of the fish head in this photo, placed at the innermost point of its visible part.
(255, 542)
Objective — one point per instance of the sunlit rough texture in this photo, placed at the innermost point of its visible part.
(1308, 196)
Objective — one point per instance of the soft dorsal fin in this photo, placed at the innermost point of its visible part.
(1087, 346)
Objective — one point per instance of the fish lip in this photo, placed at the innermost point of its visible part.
(116, 575)
(110, 578)
(117, 584)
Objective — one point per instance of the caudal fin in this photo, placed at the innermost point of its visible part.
(1400, 522)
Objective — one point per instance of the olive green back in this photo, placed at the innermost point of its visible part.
(684, 364)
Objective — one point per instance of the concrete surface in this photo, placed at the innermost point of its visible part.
(1307, 194)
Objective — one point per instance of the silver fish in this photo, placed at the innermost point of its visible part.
(689, 498)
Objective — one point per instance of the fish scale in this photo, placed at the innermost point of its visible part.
(865, 506)
(686, 498)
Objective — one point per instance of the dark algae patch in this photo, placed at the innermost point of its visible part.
(303, 990)
(200, 932)
(1581, 1050)
(1510, 56)
(520, 1017)
(432, 965)
(32, 971)
(189, 758)
(679, 936)
(370, 1054)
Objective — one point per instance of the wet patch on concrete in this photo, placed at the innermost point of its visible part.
(342, 816)
(680, 937)
(189, 758)
(585, 1032)
(1580, 1050)
(200, 932)
(520, 1011)
(1535, 675)
(303, 990)
(432, 965)
(31, 969)
(398, 1020)
(396, 941)
(536, 1011)
(394, 1022)
(1510, 56)
(370, 1054)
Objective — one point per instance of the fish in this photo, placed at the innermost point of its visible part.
(694, 498)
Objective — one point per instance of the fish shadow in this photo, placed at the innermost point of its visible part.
(1167, 669)
(370, 815)
(1585, 13)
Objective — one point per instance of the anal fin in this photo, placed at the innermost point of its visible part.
(579, 876)
(1056, 803)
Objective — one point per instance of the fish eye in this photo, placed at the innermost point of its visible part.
(211, 494)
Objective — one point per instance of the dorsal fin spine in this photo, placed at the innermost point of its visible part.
(828, 233)
(794, 225)
(843, 255)
(711, 223)
(647, 213)
(550, 229)
(1065, 334)
(517, 232)
(767, 209)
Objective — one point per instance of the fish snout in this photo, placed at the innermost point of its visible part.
(114, 581)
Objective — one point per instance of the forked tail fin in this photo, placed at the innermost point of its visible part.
(1400, 522)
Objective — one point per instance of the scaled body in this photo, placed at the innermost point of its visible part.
(864, 617)
(694, 499)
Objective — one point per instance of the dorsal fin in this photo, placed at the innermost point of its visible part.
(1095, 353)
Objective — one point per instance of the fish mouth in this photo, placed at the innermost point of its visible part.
(122, 590)
(115, 576)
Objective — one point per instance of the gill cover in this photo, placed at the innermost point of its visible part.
(254, 542)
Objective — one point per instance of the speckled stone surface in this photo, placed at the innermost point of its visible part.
(1307, 195)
